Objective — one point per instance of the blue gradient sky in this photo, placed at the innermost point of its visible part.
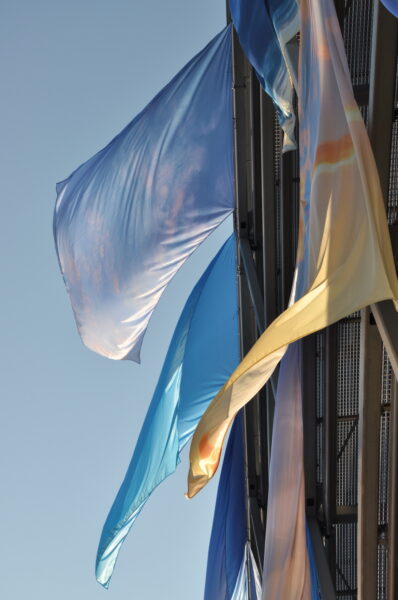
(73, 74)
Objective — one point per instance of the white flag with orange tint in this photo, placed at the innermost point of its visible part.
(344, 260)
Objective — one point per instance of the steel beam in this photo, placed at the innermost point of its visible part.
(251, 304)
(329, 444)
(382, 89)
(308, 370)
(392, 567)
(370, 372)
(326, 586)
(253, 283)
(268, 196)
(387, 322)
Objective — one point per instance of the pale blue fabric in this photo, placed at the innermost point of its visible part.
(229, 531)
(127, 219)
(264, 27)
(202, 355)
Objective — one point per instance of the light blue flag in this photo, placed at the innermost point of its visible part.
(203, 353)
(264, 28)
(127, 219)
(231, 567)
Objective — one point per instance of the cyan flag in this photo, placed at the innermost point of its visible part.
(127, 219)
(203, 353)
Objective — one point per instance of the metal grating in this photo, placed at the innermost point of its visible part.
(346, 551)
(357, 39)
(384, 477)
(382, 568)
(277, 180)
(348, 366)
(392, 204)
(320, 402)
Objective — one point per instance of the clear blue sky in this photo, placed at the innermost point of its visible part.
(73, 73)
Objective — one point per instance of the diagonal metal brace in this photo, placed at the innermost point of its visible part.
(252, 282)
(325, 581)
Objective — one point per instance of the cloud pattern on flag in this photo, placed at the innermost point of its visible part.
(202, 354)
(127, 219)
(344, 259)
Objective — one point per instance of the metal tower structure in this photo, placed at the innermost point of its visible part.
(350, 369)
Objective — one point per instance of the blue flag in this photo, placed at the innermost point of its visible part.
(228, 537)
(128, 218)
(392, 6)
(203, 353)
(229, 557)
(264, 28)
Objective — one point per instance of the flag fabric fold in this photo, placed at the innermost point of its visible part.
(127, 219)
(287, 568)
(344, 259)
(202, 354)
(264, 28)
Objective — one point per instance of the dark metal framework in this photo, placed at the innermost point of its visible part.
(350, 369)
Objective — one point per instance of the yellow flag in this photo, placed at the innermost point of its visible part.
(344, 259)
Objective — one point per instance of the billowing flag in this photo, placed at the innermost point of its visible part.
(127, 219)
(344, 259)
(230, 558)
(203, 353)
(264, 28)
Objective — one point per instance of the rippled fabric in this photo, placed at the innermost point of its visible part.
(392, 6)
(344, 259)
(286, 571)
(203, 353)
(264, 27)
(229, 531)
(247, 587)
(127, 220)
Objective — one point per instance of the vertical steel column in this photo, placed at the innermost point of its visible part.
(240, 78)
(392, 566)
(250, 296)
(288, 218)
(267, 119)
(329, 444)
(381, 114)
(368, 455)
(381, 106)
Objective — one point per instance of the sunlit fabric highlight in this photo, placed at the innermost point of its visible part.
(226, 578)
(264, 27)
(248, 584)
(344, 259)
(203, 353)
(286, 571)
(127, 220)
